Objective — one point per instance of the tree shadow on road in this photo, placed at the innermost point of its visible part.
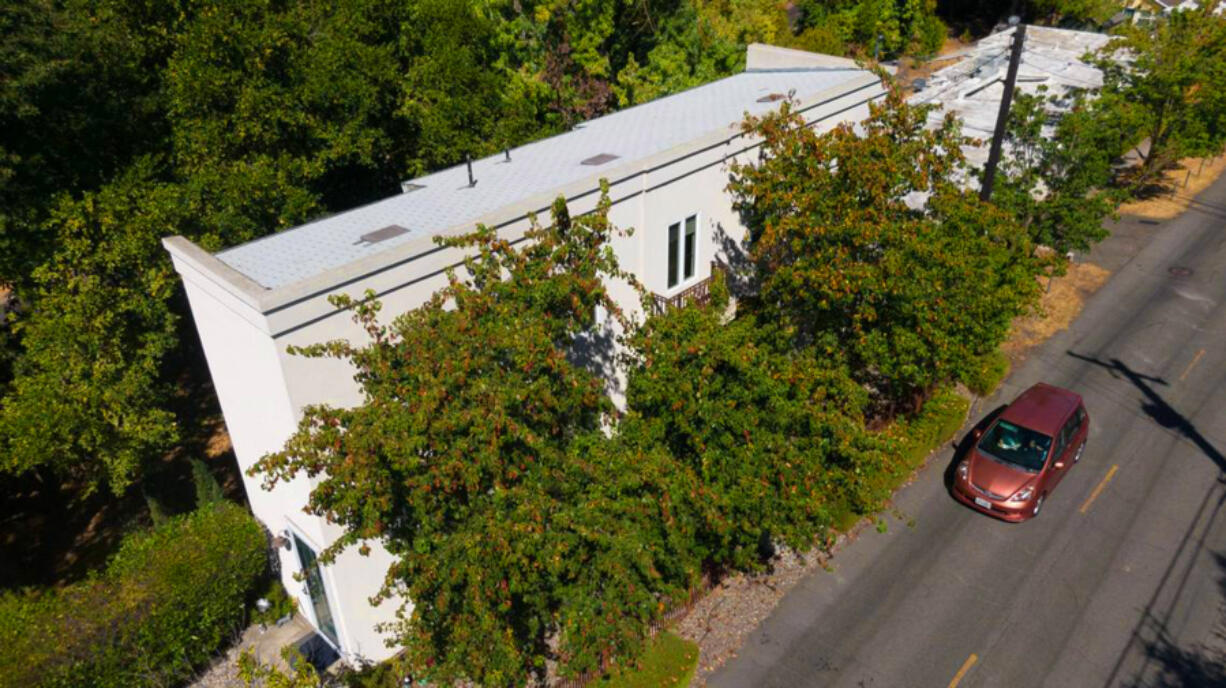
(1201, 665)
(1156, 407)
(1166, 664)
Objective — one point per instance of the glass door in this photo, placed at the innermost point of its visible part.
(315, 587)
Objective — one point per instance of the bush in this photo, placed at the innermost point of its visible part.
(942, 415)
(280, 604)
(984, 375)
(167, 601)
(930, 35)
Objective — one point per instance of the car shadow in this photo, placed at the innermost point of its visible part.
(963, 445)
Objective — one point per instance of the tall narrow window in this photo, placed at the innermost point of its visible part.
(682, 250)
(691, 232)
(315, 588)
(674, 241)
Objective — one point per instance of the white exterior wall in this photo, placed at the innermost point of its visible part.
(245, 329)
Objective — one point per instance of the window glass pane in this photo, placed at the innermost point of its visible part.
(674, 240)
(315, 588)
(691, 238)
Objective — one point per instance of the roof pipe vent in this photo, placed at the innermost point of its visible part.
(469, 161)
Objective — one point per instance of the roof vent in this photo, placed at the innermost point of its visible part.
(771, 98)
(381, 235)
(406, 187)
(599, 159)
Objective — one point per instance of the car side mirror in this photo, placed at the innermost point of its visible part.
(1059, 465)
(977, 433)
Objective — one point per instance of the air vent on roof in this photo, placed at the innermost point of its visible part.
(382, 234)
(599, 159)
(771, 98)
(406, 187)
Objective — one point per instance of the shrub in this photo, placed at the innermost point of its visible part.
(930, 35)
(164, 605)
(280, 604)
(985, 374)
(940, 418)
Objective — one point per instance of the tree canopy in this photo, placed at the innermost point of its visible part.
(868, 245)
(478, 459)
(1169, 77)
(259, 116)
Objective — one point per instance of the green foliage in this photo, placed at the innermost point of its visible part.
(916, 436)
(167, 601)
(208, 490)
(71, 70)
(88, 397)
(1087, 14)
(985, 374)
(668, 662)
(479, 460)
(1172, 86)
(280, 604)
(1059, 181)
(774, 439)
(888, 28)
(905, 297)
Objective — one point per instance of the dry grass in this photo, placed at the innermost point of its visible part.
(1061, 302)
(910, 68)
(1198, 173)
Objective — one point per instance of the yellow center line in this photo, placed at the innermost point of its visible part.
(966, 666)
(1195, 360)
(1094, 495)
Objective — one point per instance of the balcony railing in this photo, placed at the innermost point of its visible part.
(698, 294)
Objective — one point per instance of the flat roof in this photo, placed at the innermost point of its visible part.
(972, 88)
(443, 200)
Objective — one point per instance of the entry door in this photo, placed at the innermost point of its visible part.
(315, 587)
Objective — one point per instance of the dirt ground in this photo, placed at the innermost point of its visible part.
(1188, 179)
(910, 68)
(1063, 298)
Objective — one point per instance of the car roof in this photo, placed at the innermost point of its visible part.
(1043, 407)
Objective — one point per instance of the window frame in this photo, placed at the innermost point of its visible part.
(679, 263)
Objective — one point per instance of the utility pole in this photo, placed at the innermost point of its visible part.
(1002, 118)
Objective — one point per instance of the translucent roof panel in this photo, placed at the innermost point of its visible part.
(445, 199)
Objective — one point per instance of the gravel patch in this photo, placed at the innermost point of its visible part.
(722, 619)
(223, 672)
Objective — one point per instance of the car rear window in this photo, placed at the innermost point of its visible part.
(1016, 445)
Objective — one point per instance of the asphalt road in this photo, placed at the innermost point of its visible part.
(1120, 579)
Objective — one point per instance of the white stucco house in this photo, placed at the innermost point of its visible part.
(667, 166)
(666, 163)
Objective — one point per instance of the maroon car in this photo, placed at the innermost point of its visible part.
(1020, 458)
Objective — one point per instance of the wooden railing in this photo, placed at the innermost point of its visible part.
(698, 294)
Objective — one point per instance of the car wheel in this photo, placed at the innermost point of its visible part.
(1038, 504)
(1080, 449)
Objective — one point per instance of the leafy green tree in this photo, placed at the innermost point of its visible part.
(478, 459)
(308, 89)
(776, 440)
(78, 102)
(88, 396)
(458, 94)
(1170, 76)
(1059, 179)
(906, 292)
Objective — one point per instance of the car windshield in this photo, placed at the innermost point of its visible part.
(1016, 445)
